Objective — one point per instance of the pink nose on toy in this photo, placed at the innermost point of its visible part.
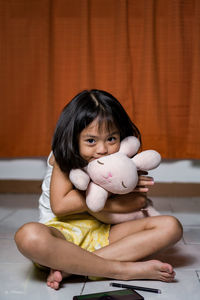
(108, 176)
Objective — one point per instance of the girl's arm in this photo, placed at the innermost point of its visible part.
(63, 198)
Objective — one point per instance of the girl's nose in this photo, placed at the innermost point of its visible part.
(102, 148)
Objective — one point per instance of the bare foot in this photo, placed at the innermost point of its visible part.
(151, 269)
(55, 277)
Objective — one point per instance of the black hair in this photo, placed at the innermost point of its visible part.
(77, 115)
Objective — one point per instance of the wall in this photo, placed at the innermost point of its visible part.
(168, 171)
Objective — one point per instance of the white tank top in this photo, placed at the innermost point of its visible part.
(45, 212)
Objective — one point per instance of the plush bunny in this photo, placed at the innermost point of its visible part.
(115, 173)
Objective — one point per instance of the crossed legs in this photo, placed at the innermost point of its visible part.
(129, 242)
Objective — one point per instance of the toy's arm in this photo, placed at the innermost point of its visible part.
(79, 179)
(96, 197)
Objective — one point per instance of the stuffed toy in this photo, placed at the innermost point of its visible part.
(116, 173)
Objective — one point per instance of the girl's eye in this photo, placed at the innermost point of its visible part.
(111, 139)
(90, 141)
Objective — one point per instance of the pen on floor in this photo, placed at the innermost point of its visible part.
(133, 287)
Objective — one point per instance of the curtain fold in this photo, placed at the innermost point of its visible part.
(146, 53)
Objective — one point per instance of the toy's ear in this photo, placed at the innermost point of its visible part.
(129, 146)
(147, 160)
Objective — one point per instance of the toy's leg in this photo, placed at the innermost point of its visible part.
(96, 197)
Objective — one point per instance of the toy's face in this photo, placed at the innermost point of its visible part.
(116, 173)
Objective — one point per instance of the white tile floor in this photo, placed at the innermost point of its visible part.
(20, 280)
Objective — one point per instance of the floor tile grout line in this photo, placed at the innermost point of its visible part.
(8, 215)
(198, 274)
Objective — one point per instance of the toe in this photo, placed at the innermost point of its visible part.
(167, 268)
(56, 285)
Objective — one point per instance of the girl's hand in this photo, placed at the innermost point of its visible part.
(143, 182)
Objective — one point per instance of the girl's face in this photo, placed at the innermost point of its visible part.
(95, 141)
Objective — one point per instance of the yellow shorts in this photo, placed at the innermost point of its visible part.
(83, 230)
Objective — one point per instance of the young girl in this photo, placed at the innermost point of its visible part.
(67, 239)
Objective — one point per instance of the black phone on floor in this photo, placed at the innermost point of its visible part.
(125, 294)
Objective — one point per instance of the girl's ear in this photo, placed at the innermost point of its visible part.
(147, 160)
(129, 146)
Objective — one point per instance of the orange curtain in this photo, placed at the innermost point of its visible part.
(146, 53)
